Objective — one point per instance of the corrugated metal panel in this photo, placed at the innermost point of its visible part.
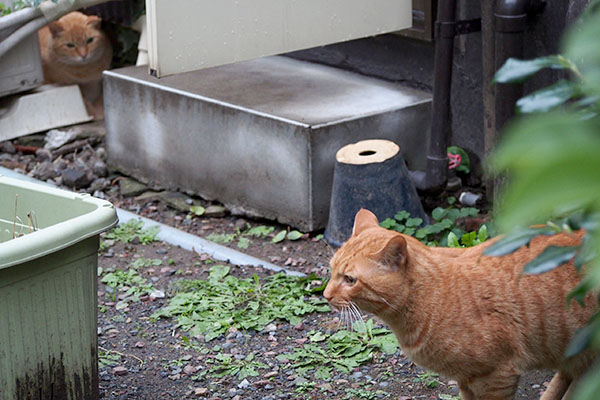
(48, 326)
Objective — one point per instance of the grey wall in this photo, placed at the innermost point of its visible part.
(410, 62)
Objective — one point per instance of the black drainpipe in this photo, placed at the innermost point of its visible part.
(435, 177)
(510, 22)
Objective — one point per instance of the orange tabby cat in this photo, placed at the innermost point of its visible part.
(75, 50)
(473, 318)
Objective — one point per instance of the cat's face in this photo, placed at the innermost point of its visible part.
(369, 269)
(77, 38)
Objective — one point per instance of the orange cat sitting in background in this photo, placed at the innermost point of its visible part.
(76, 51)
(473, 318)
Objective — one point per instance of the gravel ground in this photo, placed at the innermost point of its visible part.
(142, 358)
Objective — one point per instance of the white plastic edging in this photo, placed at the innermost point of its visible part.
(180, 238)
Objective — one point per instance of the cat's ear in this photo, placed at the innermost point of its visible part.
(94, 21)
(364, 219)
(393, 253)
(56, 28)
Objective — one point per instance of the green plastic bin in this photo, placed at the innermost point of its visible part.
(48, 291)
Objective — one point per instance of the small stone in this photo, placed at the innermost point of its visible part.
(299, 326)
(175, 377)
(167, 271)
(99, 331)
(139, 344)
(241, 224)
(75, 178)
(270, 328)
(189, 370)
(7, 147)
(535, 386)
(43, 155)
(129, 187)
(157, 294)
(44, 171)
(99, 168)
(101, 153)
(200, 392)
(215, 212)
(244, 384)
(357, 375)
(119, 371)
(384, 384)
(161, 251)
(270, 374)
(301, 341)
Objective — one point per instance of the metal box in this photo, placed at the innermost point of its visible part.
(48, 291)
(21, 67)
(259, 136)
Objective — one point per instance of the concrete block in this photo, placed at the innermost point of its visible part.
(259, 136)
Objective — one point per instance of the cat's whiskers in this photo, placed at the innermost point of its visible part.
(358, 317)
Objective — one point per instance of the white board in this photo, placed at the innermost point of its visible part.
(186, 35)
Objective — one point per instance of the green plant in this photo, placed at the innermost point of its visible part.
(359, 394)
(550, 156)
(284, 234)
(429, 379)
(127, 232)
(436, 233)
(242, 368)
(107, 358)
(305, 387)
(344, 350)
(146, 262)
(211, 307)
(260, 231)
(130, 281)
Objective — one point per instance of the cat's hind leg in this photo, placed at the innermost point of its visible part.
(558, 387)
(499, 385)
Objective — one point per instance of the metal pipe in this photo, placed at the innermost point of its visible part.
(19, 17)
(436, 175)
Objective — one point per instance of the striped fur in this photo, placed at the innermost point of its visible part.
(473, 318)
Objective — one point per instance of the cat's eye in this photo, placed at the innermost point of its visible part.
(70, 45)
(90, 40)
(349, 279)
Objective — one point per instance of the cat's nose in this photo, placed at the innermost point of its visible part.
(327, 293)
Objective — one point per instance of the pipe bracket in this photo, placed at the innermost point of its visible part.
(451, 29)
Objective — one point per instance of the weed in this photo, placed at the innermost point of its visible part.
(260, 231)
(305, 387)
(242, 368)
(443, 231)
(429, 379)
(222, 238)
(130, 281)
(146, 262)
(352, 394)
(127, 232)
(210, 307)
(107, 358)
(344, 350)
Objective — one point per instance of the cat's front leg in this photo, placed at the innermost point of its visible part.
(501, 384)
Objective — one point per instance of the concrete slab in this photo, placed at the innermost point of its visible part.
(259, 136)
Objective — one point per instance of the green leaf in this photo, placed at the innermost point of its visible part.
(453, 240)
(244, 243)
(218, 272)
(260, 231)
(589, 385)
(516, 71)
(438, 213)
(482, 235)
(583, 338)
(197, 210)
(280, 237)
(414, 221)
(512, 242)
(388, 223)
(548, 98)
(221, 238)
(402, 215)
(294, 235)
(550, 258)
